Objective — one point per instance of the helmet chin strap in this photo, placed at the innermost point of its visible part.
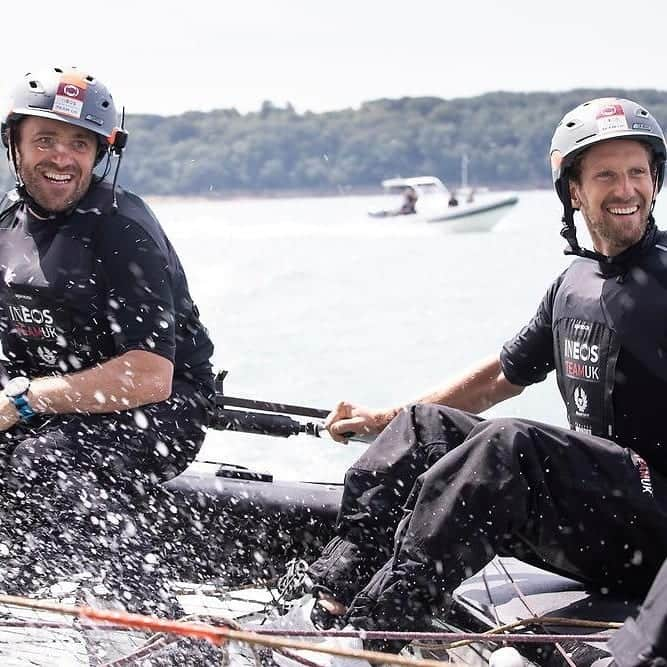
(569, 233)
(655, 194)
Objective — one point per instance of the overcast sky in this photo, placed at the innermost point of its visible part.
(168, 57)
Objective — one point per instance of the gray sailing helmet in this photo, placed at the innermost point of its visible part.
(599, 120)
(70, 96)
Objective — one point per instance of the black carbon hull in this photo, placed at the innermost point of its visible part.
(241, 527)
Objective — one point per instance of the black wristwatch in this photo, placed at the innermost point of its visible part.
(16, 391)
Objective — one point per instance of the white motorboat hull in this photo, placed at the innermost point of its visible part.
(477, 217)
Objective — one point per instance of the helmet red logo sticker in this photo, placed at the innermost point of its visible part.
(69, 99)
(611, 117)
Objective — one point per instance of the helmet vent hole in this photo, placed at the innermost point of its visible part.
(58, 69)
(89, 79)
(105, 104)
(642, 112)
(33, 84)
(572, 123)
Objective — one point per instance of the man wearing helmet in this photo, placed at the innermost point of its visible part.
(107, 382)
(441, 490)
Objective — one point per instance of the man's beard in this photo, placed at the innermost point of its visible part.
(45, 197)
(617, 235)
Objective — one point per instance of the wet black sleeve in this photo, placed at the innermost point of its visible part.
(528, 357)
(140, 306)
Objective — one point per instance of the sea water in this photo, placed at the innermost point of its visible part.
(310, 301)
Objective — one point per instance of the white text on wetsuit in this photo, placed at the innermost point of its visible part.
(33, 322)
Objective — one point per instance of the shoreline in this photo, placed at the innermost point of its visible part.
(238, 195)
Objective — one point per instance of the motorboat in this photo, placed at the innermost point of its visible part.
(466, 209)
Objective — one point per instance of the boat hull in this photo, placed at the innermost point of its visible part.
(245, 530)
(475, 218)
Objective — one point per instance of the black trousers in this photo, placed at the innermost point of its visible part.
(84, 492)
(441, 491)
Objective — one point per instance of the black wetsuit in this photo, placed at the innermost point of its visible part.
(77, 290)
(441, 491)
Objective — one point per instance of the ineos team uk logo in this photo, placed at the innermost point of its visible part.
(71, 90)
(33, 322)
(582, 360)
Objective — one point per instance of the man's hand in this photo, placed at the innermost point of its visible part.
(8, 413)
(347, 419)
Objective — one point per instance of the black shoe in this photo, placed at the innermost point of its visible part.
(385, 645)
(323, 619)
(295, 584)
(410, 612)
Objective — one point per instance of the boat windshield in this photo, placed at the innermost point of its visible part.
(423, 186)
(430, 189)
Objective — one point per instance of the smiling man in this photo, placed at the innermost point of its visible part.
(55, 161)
(616, 196)
(441, 490)
(108, 380)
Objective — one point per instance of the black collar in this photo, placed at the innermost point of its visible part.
(620, 263)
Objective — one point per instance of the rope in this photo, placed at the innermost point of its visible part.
(453, 637)
(297, 658)
(216, 635)
(500, 565)
(161, 640)
(281, 641)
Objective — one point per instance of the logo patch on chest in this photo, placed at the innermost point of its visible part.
(580, 400)
(581, 360)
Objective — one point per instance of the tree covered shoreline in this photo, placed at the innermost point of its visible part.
(276, 151)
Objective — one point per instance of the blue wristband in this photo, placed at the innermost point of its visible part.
(26, 413)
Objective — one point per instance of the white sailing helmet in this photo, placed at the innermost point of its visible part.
(590, 123)
(70, 96)
(600, 120)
